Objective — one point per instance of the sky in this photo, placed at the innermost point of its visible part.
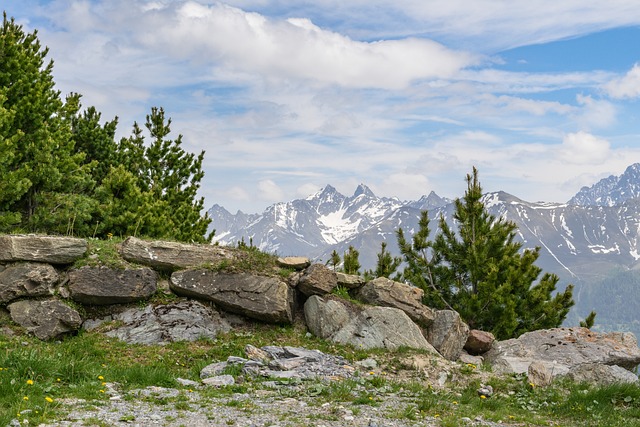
(405, 96)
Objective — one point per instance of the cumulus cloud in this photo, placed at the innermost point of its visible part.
(294, 48)
(627, 86)
(404, 185)
(584, 148)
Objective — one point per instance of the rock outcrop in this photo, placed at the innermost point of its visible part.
(317, 280)
(448, 334)
(562, 349)
(160, 324)
(268, 299)
(104, 285)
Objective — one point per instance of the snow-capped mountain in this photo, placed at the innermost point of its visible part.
(595, 236)
(611, 191)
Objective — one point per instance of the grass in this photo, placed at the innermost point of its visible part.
(35, 376)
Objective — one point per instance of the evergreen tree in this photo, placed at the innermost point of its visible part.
(48, 180)
(334, 261)
(351, 262)
(387, 264)
(478, 270)
(169, 179)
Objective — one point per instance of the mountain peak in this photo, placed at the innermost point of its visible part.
(363, 189)
(611, 191)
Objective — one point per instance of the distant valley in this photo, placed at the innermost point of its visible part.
(589, 241)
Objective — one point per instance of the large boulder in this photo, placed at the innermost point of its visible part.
(47, 249)
(448, 334)
(602, 375)
(268, 299)
(366, 327)
(164, 255)
(349, 281)
(46, 319)
(159, 324)
(387, 293)
(27, 279)
(562, 349)
(317, 280)
(104, 285)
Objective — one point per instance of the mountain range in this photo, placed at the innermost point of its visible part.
(585, 241)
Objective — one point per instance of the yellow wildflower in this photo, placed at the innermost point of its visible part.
(29, 382)
(25, 398)
(48, 399)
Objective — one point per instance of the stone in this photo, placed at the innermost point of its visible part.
(349, 281)
(324, 317)
(382, 327)
(561, 349)
(294, 262)
(485, 390)
(448, 334)
(479, 342)
(268, 299)
(256, 354)
(46, 249)
(317, 280)
(46, 319)
(385, 292)
(172, 256)
(186, 382)
(27, 279)
(213, 370)
(160, 324)
(468, 359)
(104, 285)
(602, 375)
(539, 375)
(219, 381)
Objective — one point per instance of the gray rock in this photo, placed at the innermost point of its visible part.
(485, 390)
(172, 255)
(46, 319)
(27, 280)
(325, 317)
(382, 327)
(387, 293)
(602, 375)
(479, 342)
(469, 359)
(219, 381)
(178, 321)
(561, 349)
(268, 299)
(213, 370)
(47, 249)
(350, 281)
(448, 334)
(294, 262)
(186, 382)
(317, 280)
(104, 285)
(539, 374)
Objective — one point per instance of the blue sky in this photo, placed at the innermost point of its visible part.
(404, 96)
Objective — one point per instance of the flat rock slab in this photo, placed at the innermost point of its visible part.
(172, 255)
(294, 262)
(47, 249)
(46, 319)
(104, 285)
(161, 324)
(27, 279)
(562, 349)
(268, 299)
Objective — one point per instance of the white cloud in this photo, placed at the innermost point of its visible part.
(293, 48)
(627, 86)
(595, 113)
(270, 191)
(584, 149)
(404, 185)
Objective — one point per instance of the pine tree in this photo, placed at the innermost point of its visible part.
(386, 264)
(351, 262)
(480, 271)
(334, 260)
(48, 180)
